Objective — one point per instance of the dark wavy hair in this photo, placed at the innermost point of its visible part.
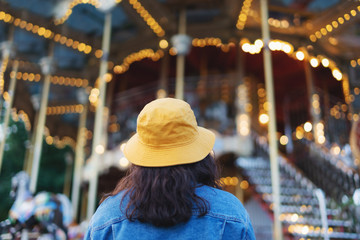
(165, 196)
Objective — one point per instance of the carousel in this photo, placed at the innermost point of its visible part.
(278, 81)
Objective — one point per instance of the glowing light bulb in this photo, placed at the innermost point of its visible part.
(99, 149)
(264, 118)
(337, 74)
(325, 62)
(314, 62)
(284, 140)
(300, 55)
(307, 126)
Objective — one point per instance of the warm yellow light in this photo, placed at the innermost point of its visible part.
(284, 140)
(49, 140)
(321, 139)
(329, 28)
(294, 217)
(287, 48)
(347, 17)
(353, 63)
(318, 34)
(108, 77)
(95, 91)
(320, 126)
(81, 47)
(323, 31)
(357, 91)
(266, 106)
(337, 74)
(163, 44)
(17, 21)
(356, 117)
(123, 162)
(7, 18)
(335, 24)
(41, 31)
(244, 184)
(29, 26)
(161, 93)
(264, 118)
(307, 126)
(300, 55)
(299, 134)
(325, 62)
(99, 149)
(314, 62)
(259, 43)
(234, 181)
(341, 20)
(98, 53)
(87, 49)
(48, 33)
(335, 150)
(305, 230)
(313, 38)
(172, 51)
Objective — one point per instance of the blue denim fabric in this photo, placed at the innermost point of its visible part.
(226, 219)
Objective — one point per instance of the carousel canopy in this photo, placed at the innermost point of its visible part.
(141, 33)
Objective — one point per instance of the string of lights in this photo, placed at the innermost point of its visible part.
(56, 80)
(137, 56)
(146, 16)
(25, 64)
(243, 14)
(72, 4)
(2, 71)
(45, 33)
(333, 25)
(64, 109)
(59, 143)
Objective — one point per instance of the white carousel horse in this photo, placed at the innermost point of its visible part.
(46, 211)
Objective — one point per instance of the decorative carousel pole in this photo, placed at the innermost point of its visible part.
(97, 147)
(181, 42)
(269, 83)
(313, 97)
(47, 68)
(8, 103)
(7, 48)
(79, 153)
(164, 71)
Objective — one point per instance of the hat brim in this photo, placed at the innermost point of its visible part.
(148, 156)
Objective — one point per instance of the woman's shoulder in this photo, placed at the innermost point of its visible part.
(222, 203)
(110, 211)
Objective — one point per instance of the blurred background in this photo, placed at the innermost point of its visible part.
(276, 76)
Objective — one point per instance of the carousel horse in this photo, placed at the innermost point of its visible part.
(45, 213)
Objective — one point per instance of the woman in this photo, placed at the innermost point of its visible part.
(172, 190)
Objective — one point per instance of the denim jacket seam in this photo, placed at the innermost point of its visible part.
(247, 227)
(225, 217)
(112, 221)
(223, 229)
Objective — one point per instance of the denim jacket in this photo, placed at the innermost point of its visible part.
(226, 219)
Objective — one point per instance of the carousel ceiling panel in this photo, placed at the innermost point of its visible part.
(90, 20)
(26, 42)
(66, 58)
(40, 7)
(305, 5)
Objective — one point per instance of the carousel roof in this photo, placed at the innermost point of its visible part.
(328, 28)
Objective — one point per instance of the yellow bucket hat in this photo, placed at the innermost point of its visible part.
(168, 135)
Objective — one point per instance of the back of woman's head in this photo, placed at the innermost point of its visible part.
(165, 196)
(170, 154)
